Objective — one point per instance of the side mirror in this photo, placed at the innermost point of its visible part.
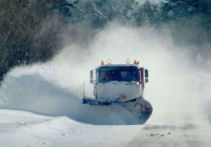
(91, 77)
(146, 74)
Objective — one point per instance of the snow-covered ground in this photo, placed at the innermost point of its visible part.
(25, 129)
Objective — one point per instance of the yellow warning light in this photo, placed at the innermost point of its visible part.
(128, 61)
(102, 62)
(109, 61)
(135, 61)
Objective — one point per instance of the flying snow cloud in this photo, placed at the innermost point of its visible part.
(175, 82)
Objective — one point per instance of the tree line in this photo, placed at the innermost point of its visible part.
(31, 30)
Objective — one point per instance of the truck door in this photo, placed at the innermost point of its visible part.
(142, 76)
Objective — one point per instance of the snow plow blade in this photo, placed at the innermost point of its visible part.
(138, 107)
(92, 101)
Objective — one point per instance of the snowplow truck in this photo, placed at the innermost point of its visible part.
(120, 84)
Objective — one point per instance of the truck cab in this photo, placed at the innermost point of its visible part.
(118, 81)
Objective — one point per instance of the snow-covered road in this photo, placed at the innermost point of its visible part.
(26, 129)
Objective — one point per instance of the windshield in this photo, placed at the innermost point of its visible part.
(118, 73)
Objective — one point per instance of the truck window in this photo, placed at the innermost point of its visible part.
(118, 73)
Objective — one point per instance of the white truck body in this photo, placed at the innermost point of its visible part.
(117, 88)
